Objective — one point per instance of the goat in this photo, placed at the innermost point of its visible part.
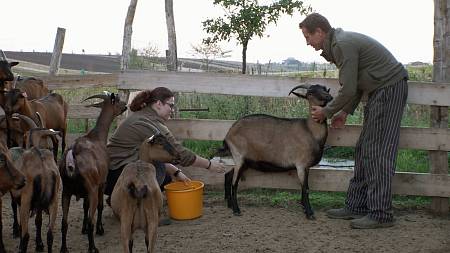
(269, 143)
(136, 199)
(49, 107)
(84, 167)
(32, 86)
(41, 191)
(10, 178)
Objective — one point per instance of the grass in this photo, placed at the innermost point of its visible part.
(290, 199)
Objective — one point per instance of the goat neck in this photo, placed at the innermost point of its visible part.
(101, 128)
(318, 130)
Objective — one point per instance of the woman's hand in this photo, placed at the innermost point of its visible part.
(217, 166)
(182, 177)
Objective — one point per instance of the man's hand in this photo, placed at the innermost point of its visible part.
(339, 120)
(317, 114)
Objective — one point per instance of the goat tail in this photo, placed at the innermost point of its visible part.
(223, 151)
(138, 193)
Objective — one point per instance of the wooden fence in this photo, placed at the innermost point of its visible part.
(434, 139)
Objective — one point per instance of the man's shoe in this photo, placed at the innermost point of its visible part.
(164, 222)
(342, 213)
(367, 223)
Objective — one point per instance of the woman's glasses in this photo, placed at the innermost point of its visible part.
(171, 105)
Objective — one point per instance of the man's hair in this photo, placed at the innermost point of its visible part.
(314, 21)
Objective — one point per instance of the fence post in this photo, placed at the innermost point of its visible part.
(439, 159)
(57, 51)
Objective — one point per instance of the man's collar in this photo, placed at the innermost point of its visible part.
(326, 52)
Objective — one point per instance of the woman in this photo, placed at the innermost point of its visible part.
(152, 108)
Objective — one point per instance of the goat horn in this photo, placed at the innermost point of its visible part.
(27, 120)
(303, 86)
(102, 96)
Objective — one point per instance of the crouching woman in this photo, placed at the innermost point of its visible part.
(152, 108)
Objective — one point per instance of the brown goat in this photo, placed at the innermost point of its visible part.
(52, 110)
(42, 188)
(32, 86)
(84, 167)
(269, 143)
(10, 178)
(136, 199)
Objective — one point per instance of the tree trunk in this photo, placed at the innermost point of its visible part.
(57, 51)
(127, 32)
(244, 57)
(441, 73)
(172, 64)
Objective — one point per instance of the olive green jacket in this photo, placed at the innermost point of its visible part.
(364, 66)
(123, 146)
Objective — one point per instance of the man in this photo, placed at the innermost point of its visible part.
(365, 66)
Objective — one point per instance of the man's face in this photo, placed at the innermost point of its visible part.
(314, 39)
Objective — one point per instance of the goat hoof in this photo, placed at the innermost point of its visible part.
(237, 214)
(84, 229)
(100, 230)
(310, 217)
(93, 250)
(39, 247)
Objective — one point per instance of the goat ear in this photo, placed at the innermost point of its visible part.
(24, 94)
(14, 63)
(328, 90)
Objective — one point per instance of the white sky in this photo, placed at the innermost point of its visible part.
(405, 27)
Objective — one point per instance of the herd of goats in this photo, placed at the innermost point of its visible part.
(35, 119)
(31, 172)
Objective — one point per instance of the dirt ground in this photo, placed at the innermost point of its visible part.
(261, 228)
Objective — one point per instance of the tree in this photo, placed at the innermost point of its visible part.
(209, 52)
(127, 32)
(246, 18)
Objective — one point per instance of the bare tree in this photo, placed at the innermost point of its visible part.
(172, 63)
(127, 32)
(209, 52)
(441, 73)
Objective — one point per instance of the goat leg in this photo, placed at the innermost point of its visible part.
(99, 226)
(305, 197)
(16, 227)
(227, 186)
(53, 209)
(84, 229)
(125, 231)
(2, 246)
(24, 216)
(93, 202)
(234, 202)
(38, 223)
(64, 226)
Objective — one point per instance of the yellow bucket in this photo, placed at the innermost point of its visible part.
(185, 201)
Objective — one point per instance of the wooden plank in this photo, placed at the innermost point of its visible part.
(78, 111)
(424, 93)
(80, 81)
(412, 138)
(328, 179)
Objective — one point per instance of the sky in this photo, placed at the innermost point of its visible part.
(96, 26)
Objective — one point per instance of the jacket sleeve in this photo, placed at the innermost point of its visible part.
(187, 157)
(346, 57)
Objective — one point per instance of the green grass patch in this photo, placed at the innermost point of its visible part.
(290, 199)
